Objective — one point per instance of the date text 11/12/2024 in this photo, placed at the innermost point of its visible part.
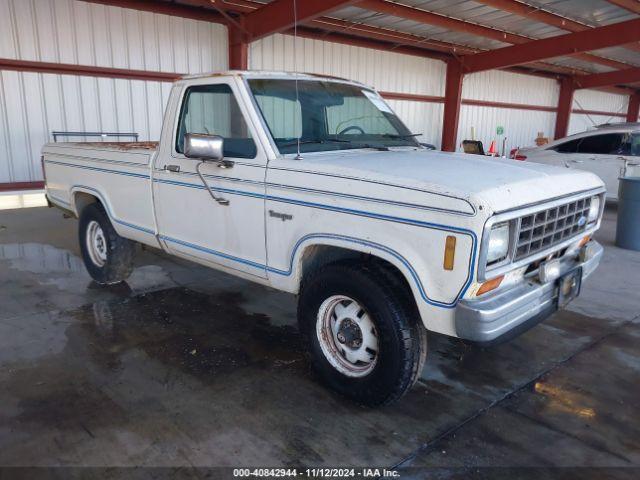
(316, 472)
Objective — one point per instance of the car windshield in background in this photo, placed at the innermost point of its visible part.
(327, 115)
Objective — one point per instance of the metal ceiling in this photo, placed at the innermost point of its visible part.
(587, 14)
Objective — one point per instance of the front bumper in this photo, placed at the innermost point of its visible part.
(507, 313)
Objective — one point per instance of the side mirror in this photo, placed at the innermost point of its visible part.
(203, 147)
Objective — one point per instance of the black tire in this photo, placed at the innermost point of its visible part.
(118, 264)
(401, 336)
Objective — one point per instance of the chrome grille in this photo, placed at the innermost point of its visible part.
(546, 228)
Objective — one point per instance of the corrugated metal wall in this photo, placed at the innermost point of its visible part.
(599, 101)
(67, 31)
(386, 71)
(521, 127)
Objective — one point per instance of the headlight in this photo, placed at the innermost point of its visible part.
(594, 210)
(498, 247)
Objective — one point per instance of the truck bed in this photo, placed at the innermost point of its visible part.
(118, 173)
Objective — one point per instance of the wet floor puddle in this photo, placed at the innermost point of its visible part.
(494, 371)
(42, 265)
(203, 335)
(186, 335)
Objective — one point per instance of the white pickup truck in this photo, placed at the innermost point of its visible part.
(312, 185)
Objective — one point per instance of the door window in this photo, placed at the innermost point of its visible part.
(568, 147)
(607, 144)
(631, 145)
(213, 110)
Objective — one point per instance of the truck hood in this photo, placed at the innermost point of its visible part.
(494, 183)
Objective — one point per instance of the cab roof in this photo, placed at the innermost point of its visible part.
(272, 74)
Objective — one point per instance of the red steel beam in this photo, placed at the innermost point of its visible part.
(436, 19)
(121, 73)
(8, 187)
(452, 100)
(598, 112)
(633, 111)
(594, 39)
(370, 43)
(354, 37)
(86, 70)
(406, 39)
(565, 102)
(631, 5)
(533, 13)
(596, 80)
(388, 35)
(411, 97)
(238, 51)
(238, 46)
(278, 15)
(516, 7)
(166, 8)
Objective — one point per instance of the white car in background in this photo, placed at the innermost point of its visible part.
(610, 151)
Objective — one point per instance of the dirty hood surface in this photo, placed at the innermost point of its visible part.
(498, 184)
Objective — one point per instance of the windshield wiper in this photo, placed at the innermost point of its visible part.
(335, 140)
(320, 140)
(401, 135)
(368, 145)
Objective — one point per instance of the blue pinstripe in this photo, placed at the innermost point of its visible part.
(288, 272)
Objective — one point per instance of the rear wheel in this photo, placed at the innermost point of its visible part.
(107, 256)
(363, 331)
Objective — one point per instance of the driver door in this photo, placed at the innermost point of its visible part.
(632, 156)
(601, 154)
(190, 222)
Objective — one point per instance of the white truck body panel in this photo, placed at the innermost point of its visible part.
(399, 205)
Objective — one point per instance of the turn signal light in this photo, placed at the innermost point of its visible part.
(490, 285)
(584, 241)
(449, 252)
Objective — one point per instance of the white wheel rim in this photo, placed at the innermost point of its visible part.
(347, 336)
(96, 244)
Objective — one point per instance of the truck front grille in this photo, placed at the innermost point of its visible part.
(546, 228)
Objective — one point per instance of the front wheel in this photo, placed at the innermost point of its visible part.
(107, 256)
(363, 331)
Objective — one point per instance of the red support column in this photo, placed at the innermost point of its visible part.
(565, 102)
(238, 49)
(633, 112)
(452, 100)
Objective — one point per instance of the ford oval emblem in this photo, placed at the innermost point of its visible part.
(581, 221)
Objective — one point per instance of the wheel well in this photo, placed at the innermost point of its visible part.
(82, 199)
(317, 256)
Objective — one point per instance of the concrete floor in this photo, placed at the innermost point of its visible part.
(184, 366)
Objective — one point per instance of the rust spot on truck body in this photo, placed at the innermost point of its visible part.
(120, 145)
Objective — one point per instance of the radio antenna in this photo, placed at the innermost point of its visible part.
(295, 73)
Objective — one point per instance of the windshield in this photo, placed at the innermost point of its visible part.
(327, 116)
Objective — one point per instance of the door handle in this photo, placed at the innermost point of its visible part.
(224, 164)
(172, 168)
(568, 162)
